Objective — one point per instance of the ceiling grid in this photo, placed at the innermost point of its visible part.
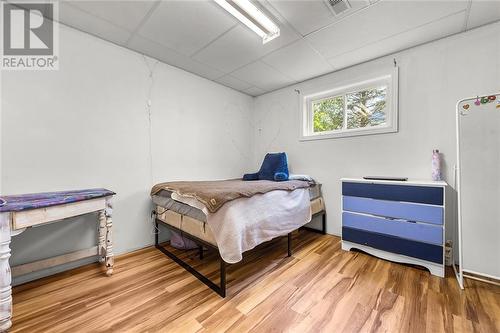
(201, 38)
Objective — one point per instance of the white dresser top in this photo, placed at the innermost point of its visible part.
(409, 182)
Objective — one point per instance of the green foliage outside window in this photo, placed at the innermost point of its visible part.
(364, 108)
(328, 114)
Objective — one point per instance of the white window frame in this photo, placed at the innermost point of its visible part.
(389, 79)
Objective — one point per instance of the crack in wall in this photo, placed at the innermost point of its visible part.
(151, 79)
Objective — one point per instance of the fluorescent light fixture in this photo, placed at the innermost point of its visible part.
(252, 17)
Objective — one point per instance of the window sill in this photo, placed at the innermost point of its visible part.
(345, 134)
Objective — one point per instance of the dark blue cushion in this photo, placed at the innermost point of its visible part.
(251, 176)
(274, 167)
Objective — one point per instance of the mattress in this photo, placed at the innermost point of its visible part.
(193, 221)
(164, 199)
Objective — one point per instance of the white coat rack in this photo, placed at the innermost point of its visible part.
(478, 187)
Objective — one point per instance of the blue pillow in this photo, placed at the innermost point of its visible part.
(274, 167)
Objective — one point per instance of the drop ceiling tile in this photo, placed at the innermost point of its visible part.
(318, 15)
(379, 21)
(186, 26)
(262, 76)
(124, 14)
(309, 15)
(78, 19)
(432, 31)
(171, 57)
(231, 51)
(254, 91)
(241, 46)
(483, 12)
(233, 82)
(299, 61)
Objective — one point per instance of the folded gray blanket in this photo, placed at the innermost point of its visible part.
(214, 194)
(163, 199)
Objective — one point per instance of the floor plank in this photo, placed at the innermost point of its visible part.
(319, 289)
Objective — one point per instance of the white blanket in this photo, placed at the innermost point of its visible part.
(242, 224)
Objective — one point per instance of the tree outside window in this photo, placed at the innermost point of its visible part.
(328, 114)
(364, 108)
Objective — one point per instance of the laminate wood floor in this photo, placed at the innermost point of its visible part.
(319, 289)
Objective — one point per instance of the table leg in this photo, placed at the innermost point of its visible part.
(109, 260)
(101, 244)
(5, 277)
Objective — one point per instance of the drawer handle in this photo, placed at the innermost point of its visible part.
(396, 219)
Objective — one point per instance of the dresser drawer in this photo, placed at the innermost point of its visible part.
(394, 209)
(426, 233)
(428, 252)
(407, 193)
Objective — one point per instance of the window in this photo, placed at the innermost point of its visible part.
(368, 107)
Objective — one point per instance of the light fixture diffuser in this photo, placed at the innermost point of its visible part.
(252, 17)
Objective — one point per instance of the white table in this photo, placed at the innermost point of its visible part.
(25, 211)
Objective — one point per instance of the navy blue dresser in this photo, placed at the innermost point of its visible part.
(397, 221)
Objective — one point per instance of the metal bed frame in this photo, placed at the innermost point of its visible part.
(219, 289)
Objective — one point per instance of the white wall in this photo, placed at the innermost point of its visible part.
(432, 77)
(86, 126)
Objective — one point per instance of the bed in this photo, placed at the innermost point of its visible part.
(234, 221)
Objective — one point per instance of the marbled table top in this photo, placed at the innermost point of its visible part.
(15, 203)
